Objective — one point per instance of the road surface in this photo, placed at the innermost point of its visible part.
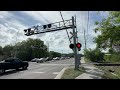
(46, 70)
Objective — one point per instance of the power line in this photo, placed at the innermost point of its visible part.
(64, 25)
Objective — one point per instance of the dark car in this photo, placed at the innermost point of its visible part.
(13, 63)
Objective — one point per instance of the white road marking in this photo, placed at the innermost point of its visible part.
(55, 72)
(34, 72)
(38, 72)
(57, 64)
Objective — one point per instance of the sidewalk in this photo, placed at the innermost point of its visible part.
(91, 72)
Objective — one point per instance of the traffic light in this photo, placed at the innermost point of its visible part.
(49, 25)
(29, 31)
(71, 46)
(79, 45)
(44, 26)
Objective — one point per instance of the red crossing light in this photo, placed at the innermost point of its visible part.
(79, 45)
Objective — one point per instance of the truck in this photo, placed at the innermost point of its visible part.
(12, 63)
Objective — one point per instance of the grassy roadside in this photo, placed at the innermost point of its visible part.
(70, 73)
(87, 60)
(110, 75)
(107, 74)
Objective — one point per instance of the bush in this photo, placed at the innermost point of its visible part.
(94, 55)
(112, 58)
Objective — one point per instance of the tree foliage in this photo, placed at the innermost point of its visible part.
(31, 48)
(8, 50)
(1, 50)
(55, 54)
(27, 50)
(94, 55)
(110, 31)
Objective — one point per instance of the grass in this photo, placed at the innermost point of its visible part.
(87, 60)
(109, 75)
(71, 73)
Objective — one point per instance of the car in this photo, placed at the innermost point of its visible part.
(34, 60)
(46, 59)
(56, 58)
(62, 58)
(39, 60)
(49, 58)
(68, 57)
(12, 63)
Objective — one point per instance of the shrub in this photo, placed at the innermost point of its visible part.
(94, 55)
(112, 58)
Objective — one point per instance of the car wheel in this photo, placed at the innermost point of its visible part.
(2, 71)
(24, 67)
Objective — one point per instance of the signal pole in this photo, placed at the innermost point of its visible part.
(75, 48)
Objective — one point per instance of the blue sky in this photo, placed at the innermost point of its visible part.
(12, 24)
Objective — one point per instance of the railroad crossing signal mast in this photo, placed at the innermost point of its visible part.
(62, 25)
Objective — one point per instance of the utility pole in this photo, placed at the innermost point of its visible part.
(85, 38)
(75, 48)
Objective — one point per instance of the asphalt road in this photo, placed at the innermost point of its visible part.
(46, 70)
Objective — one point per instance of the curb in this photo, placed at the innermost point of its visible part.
(61, 73)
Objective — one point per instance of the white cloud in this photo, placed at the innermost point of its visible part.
(12, 26)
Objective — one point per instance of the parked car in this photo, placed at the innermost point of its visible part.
(46, 59)
(68, 57)
(62, 58)
(56, 58)
(49, 58)
(34, 60)
(39, 60)
(12, 63)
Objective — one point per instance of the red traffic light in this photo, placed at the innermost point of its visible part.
(71, 46)
(78, 45)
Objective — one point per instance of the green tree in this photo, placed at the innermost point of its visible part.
(110, 31)
(31, 48)
(8, 50)
(1, 50)
(55, 54)
(94, 55)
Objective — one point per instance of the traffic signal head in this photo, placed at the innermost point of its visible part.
(44, 26)
(79, 45)
(49, 25)
(71, 46)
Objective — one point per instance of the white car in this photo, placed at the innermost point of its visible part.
(57, 58)
(39, 60)
(34, 60)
